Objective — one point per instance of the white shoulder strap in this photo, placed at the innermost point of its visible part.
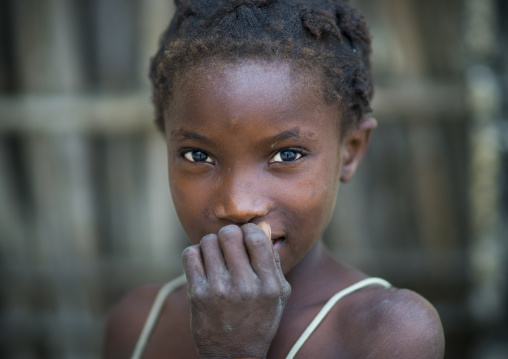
(328, 306)
(154, 314)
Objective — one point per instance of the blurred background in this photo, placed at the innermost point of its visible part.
(85, 209)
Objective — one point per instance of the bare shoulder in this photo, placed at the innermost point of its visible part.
(126, 320)
(402, 324)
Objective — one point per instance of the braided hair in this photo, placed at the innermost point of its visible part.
(328, 36)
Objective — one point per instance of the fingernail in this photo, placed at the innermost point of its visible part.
(267, 229)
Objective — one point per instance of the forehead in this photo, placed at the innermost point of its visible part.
(242, 90)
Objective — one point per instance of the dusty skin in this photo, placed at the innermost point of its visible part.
(251, 143)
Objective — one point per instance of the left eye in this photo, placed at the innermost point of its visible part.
(286, 156)
(197, 156)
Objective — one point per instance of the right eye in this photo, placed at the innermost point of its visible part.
(197, 156)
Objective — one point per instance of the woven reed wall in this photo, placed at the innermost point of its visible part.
(85, 210)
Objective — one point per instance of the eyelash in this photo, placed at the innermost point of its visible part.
(300, 153)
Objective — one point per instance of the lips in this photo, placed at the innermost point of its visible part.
(277, 237)
(277, 242)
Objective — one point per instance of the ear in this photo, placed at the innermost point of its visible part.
(354, 147)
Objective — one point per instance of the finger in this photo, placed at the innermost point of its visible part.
(235, 253)
(259, 249)
(213, 259)
(276, 257)
(193, 266)
(286, 287)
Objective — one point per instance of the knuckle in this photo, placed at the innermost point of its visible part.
(256, 239)
(271, 290)
(197, 294)
(246, 291)
(286, 291)
(230, 238)
(250, 229)
(190, 252)
(220, 290)
(208, 240)
(230, 231)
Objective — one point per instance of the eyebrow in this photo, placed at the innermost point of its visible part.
(181, 134)
(292, 133)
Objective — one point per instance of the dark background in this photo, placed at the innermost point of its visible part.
(85, 210)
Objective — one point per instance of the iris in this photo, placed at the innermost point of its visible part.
(199, 156)
(288, 156)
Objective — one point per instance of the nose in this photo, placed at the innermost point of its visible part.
(241, 200)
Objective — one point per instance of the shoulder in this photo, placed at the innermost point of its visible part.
(126, 320)
(402, 324)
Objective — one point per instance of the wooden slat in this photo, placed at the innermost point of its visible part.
(64, 234)
(154, 16)
(406, 46)
(13, 217)
(115, 44)
(486, 298)
(165, 232)
(432, 188)
(103, 221)
(73, 114)
(109, 114)
(47, 52)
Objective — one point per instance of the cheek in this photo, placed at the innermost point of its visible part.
(318, 203)
(321, 186)
(307, 218)
(311, 201)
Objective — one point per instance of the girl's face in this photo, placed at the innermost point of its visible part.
(252, 142)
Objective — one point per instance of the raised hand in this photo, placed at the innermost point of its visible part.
(236, 291)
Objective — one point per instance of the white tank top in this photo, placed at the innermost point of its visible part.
(180, 281)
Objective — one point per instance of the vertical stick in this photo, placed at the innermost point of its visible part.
(486, 269)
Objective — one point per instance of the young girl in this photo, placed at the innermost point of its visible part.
(263, 103)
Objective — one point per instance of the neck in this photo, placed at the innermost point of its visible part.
(308, 263)
(309, 273)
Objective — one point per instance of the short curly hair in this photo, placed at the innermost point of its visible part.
(329, 36)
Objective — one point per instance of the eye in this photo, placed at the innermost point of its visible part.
(197, 156)
(286, 156)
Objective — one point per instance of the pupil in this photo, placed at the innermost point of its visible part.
(288, 156)
(199, 156)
